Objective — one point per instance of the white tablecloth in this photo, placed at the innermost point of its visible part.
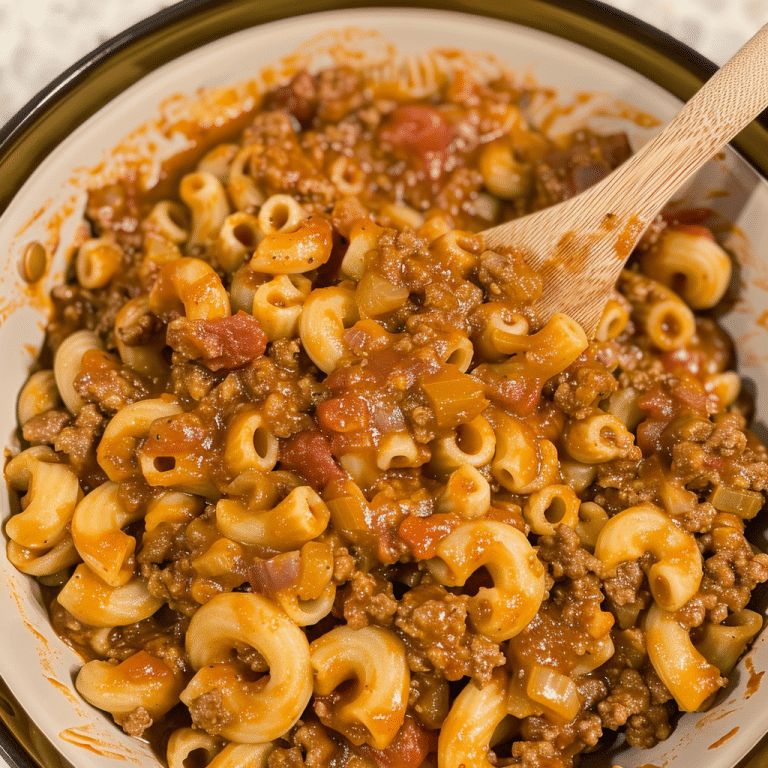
(41, 38)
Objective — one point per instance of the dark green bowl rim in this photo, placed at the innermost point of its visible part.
(84, 88)
(97, 78)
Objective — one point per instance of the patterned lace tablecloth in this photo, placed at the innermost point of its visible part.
(41, 38)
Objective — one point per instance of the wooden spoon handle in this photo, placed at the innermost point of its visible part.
(730, 99)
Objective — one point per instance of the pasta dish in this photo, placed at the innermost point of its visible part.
(308, 483)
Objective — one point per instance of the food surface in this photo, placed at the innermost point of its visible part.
(308, 484)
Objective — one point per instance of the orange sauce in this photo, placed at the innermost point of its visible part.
(713, 717)
(63, 688)
(628, 236)
(33, 218)
(755, 678)
(78, 738)
(722, 740)
(754, 684)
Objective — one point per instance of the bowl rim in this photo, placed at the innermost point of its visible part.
(81, 90)
(94, 80)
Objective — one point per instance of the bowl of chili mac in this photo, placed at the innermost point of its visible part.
(296, 475)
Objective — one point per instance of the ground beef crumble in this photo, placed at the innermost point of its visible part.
(313, 748)
(135, 723)
(368, 599)
(112, 388)
(624, 586)
(565, 555)
(435, 628)
(44, 428)
(208, 711)
(628, 697)
(646, 729)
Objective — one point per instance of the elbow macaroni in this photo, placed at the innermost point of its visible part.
(466, 734)
(325, 315)
(598, 438)
(278, 305)
(302, 249)
(97, 262)
(373, 658)
(691, 679)
(522, 462)
(676, 575)
(52, 493)
(190, 287)
(97, 604)
(38, 395)
(67, 362)
(298, 518)
(146, 359)
(116, 453)
(518, 577)
(260, 712)
(141, 681)
(97, 533)
(693, 264)
(206, 198)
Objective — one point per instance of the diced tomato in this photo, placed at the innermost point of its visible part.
(657, 403)
(417, 130)
(690, 359)
(664, 403)
(176, 436)
(661, 409)
(367, 336)
(387, 416)
(346, 413)
(237, 341)
(309, 454)
(298, 98)
(423, 534)
(649, 435)
(387, 363)
(691, 393)
(361, 441)
(96, 361)
(409, 748)
(141, 667)
(518, 391)
(713, 462)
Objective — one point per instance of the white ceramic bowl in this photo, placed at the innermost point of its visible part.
(35, 665)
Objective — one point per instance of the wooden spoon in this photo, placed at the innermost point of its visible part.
(580, 245)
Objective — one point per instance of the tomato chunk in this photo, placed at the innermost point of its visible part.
(409, 748)
(309, 454)
(417, 130)
(222, 343)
